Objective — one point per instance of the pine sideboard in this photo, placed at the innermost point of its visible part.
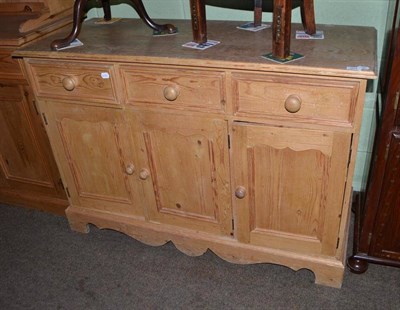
(218, 149)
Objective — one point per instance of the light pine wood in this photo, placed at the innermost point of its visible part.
(328, 271)
(187, 157)
(63, 80)
(329, 100)
(132, 42)
(288, 175)
(189, 90)
(88, 143)
(251, 161)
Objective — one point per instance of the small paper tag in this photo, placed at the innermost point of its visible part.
(164, 33)
(203, 46)
(102, 21)
(74, 43)
(358, 68)
(105, 75)
(302, 35)
(250, 27)
(291, 57)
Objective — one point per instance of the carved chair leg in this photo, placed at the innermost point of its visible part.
(199, 24)
(79, 8)
(140, 9)
(257, 13)
(282, 18)
(106, 9)
(308, 16)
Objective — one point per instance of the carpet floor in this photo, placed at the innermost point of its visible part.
(45, 265)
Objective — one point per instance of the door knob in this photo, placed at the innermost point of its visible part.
(144, 174)
(171, 93)
(68, 83)
(130, 169)
(240, 192)
(293, 103)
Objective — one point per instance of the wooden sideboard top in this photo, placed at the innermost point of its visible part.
(129, 40)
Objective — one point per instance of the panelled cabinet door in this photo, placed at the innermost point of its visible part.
(386, 237)
(289, 186)
(97, 162)
(185, 170)
(23, 162)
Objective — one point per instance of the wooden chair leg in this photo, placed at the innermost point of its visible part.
(106, 9)
(281, 28)
(257, 13)
(199, 23)
(308, 16)
(79, 10)
(140, 9)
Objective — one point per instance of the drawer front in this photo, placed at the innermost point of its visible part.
(78, 82)
(174, 88)
(299, 98)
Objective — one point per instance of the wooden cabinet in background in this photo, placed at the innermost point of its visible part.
(377, 225)
(211, 150)
(28, 173)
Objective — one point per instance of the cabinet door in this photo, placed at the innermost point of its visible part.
(98, 164)
(386, 237)
(25, 161)
(289, 186)
(186, 171)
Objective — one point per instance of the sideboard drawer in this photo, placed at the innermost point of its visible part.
(172, 88)
(298, 98)
(78, 82)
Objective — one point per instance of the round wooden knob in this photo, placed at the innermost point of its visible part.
(293, 103)
(144, 174)
(171, 93)
(240, 192)
(130, 169)
(68, 83)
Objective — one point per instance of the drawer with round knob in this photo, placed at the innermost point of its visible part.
(300, 98)
(169, 87)
(81, 83)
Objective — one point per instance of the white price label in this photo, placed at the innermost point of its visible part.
(105, 75)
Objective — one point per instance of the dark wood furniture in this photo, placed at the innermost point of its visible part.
(28, 173)
(282, 14)
(377, 225)
(81, 7)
